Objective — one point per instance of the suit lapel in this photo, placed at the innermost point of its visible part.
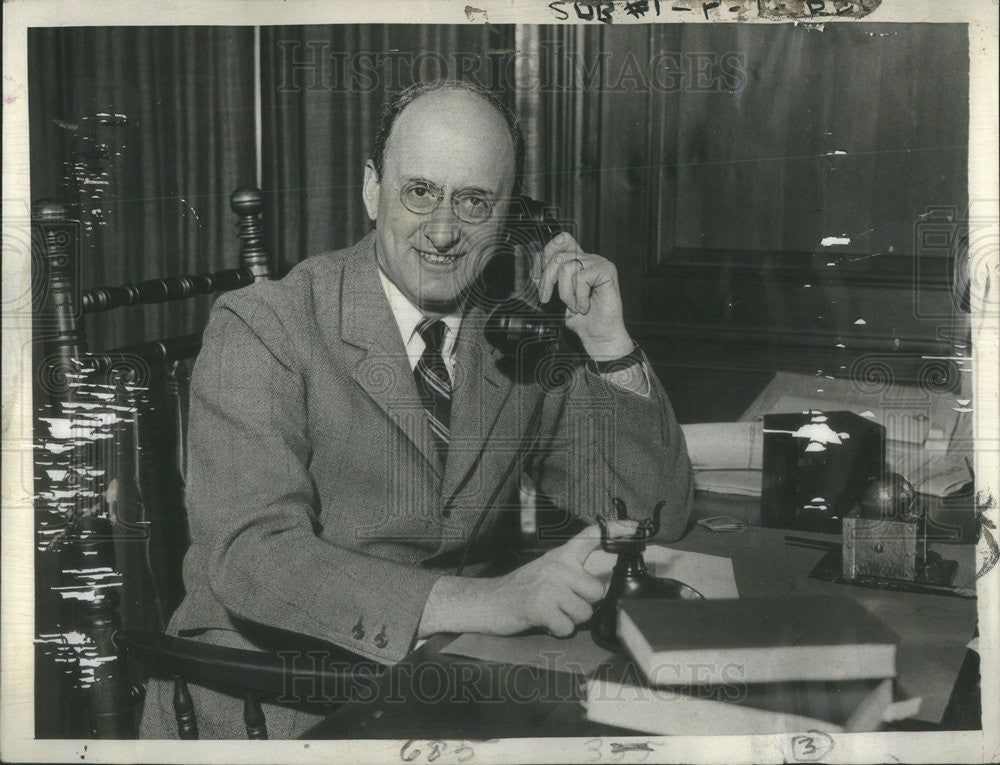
(382, 369)
(485, 406)
(484, 409)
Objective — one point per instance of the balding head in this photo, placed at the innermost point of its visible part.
(448, 165)
(393, 108)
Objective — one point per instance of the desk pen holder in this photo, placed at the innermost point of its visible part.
(630, 578)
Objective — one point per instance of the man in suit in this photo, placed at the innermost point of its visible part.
(351, 429)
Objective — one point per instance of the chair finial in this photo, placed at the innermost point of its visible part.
(247, 201)
(248, 204)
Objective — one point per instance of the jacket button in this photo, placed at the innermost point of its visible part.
(446, 513)
(380, 639)
(359, 631)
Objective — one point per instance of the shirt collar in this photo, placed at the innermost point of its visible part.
(408, 315)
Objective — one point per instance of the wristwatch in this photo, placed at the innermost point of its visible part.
(620, 364)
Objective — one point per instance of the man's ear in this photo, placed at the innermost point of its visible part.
(370, 189)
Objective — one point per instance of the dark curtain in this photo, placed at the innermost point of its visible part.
(561, 105)
(148, 130)
(322, 92)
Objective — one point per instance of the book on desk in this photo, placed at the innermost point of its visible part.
(687, 642)
(759, 665)
(618, 695)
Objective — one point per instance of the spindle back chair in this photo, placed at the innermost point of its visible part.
(110, 465)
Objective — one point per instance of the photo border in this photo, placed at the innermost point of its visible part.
(16, 713)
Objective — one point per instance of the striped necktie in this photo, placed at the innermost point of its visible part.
(433, 383)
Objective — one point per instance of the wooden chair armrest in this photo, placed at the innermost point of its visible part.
(332, 674)
(98, 299)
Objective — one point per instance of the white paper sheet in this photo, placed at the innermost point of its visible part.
(711, 575)
(725, 445)
(745, 483)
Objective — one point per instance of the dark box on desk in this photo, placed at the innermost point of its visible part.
(815, 465)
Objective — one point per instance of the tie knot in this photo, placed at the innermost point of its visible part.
(432, 332)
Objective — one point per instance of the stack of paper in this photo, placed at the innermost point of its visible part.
(726, 456)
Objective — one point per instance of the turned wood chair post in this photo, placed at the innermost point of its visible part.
(248, 204)
(114, 701)
(57, 242)
(178, 388)
(253, 717)
(184, 713)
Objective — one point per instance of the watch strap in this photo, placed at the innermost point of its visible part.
(620, 364)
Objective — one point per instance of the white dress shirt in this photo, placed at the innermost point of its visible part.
(408, 316)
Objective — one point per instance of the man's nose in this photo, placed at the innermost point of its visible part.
(443, 229)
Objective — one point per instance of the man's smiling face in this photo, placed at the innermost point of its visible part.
(454, 140)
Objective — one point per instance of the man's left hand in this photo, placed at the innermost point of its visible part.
(588, 285)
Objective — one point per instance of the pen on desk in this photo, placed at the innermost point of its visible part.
(926, 589)
(817, 544)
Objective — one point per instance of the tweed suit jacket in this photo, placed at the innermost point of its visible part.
(316, 501)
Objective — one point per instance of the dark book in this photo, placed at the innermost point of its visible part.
(756, 640)
(618, 695)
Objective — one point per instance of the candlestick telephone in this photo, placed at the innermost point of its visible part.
(515, 322)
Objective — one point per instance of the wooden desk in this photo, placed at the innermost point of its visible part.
(433, 695)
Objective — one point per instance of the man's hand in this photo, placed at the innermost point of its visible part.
(553, 592)
(588, 285)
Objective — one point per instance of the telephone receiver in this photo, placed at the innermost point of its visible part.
(515, 322)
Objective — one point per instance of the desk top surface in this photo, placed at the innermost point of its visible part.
(433, 694)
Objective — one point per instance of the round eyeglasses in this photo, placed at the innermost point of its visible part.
(424, 197)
